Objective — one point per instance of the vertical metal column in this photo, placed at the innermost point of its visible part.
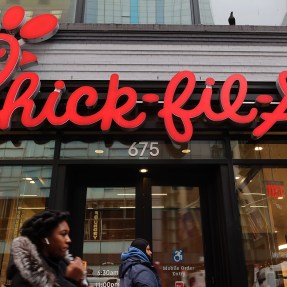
(195, 13)
(79, 13)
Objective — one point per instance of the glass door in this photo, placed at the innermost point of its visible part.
(161, 205)
(109, 228)
(177, 235)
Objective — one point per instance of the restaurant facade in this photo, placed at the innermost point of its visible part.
(149, 119)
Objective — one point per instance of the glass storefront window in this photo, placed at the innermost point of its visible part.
(24, 191)
(247, 150)
(109, 229)
(177, 235)
(177, 12)
(256, 12)
(26, 150)
(263, 212)
(143, 150)
(64, 10)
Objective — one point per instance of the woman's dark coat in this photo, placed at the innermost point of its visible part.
(137, 270)
(28, 269)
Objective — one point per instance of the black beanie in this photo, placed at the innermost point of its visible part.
(140, 244)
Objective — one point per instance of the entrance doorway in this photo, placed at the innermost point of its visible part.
(171, 206)
(161, 205)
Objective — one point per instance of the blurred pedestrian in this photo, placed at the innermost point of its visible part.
(136, 268)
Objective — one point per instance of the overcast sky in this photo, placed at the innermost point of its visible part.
(249, 12)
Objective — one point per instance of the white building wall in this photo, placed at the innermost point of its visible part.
(154, 62)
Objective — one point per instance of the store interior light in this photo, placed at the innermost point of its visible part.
(237, 177)
(258, 148)
(282, 246)
(28, 195)
(133, 194)
(41, 180)
(143, 170)
(99, 151)
(258, 206)
(129, 207)
(186, 151)
(43, 208)
(32, 181)
(252, 193)
(280, 197)
(27, 178)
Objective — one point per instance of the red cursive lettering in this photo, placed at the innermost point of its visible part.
(175, 108)
(121, 101)
(278, 114)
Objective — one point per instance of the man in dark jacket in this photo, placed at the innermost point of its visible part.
(136, 269)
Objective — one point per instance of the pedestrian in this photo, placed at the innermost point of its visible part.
(39, 256)
(136, 268)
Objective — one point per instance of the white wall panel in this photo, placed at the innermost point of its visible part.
(157, 62)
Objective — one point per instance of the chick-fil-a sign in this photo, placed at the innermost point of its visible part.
(23, 90)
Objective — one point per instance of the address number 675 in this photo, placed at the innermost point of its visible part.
(143, 147)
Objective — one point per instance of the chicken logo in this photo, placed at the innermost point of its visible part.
(20, 32)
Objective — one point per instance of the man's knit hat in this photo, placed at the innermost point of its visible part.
(140, 244)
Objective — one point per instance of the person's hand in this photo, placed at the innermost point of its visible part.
(75, 270)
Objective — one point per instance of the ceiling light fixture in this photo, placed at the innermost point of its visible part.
(258, 148)
(143, 170)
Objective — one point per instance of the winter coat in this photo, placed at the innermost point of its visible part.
(136, 270)
(27, 268)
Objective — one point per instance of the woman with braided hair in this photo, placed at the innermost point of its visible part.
(38, 256)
